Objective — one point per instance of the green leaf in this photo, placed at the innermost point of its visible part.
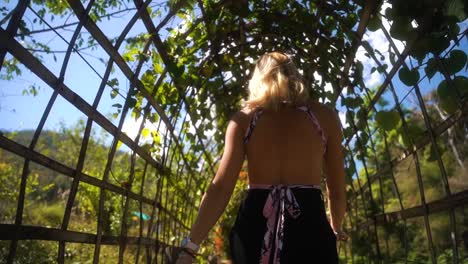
(154, 117)
(175, 69)
(145, 132)
(33, 89)
(119, 144)
(207, 70)
(148, 79)
(389, 13)
(364, 138)
(374, 23)
(113, 82)
(392, 57)
(146, 147)
(365, 44)
(387, 120)
(420, 49)
(359, 67)
(349, 116)
(414, 132)
(461, 84)
(351, 102)
(132, 102)
(382, 68)
(349, 177)
(130, 55)
(448, 97)
(157, 68)
(438, 44)
(351, 169)
(48, 187)
(362, 119)
(431, 68)
(156, 138)
(149, 10)
(114, 92)
(454, 29)
(143, 57)
(190, 136)
(455, 62)
(347, 132)
(136, 113)
(401, 28)
(408, 77)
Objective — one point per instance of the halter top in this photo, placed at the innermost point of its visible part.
(259, 111)
(280, 199)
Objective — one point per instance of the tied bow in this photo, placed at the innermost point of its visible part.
(280, 200)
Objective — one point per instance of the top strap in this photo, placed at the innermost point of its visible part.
(315, 121)
(253, 122)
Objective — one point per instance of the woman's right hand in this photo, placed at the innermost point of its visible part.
(341, 235)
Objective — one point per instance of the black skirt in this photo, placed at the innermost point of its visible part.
(308, 238)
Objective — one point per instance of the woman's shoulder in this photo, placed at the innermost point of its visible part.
(243, 116)
(246, 110)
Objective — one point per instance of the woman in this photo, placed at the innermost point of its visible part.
(289, 142)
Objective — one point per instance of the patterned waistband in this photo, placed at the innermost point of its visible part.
(273, 186)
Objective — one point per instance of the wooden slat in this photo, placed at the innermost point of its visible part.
(10, 232)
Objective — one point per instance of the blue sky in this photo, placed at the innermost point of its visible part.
(23, 112)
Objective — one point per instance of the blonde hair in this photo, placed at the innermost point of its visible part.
(276, 80)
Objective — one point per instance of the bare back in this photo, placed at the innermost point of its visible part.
(286, 147)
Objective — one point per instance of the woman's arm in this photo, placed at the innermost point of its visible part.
(335, 175)
(219, 192)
